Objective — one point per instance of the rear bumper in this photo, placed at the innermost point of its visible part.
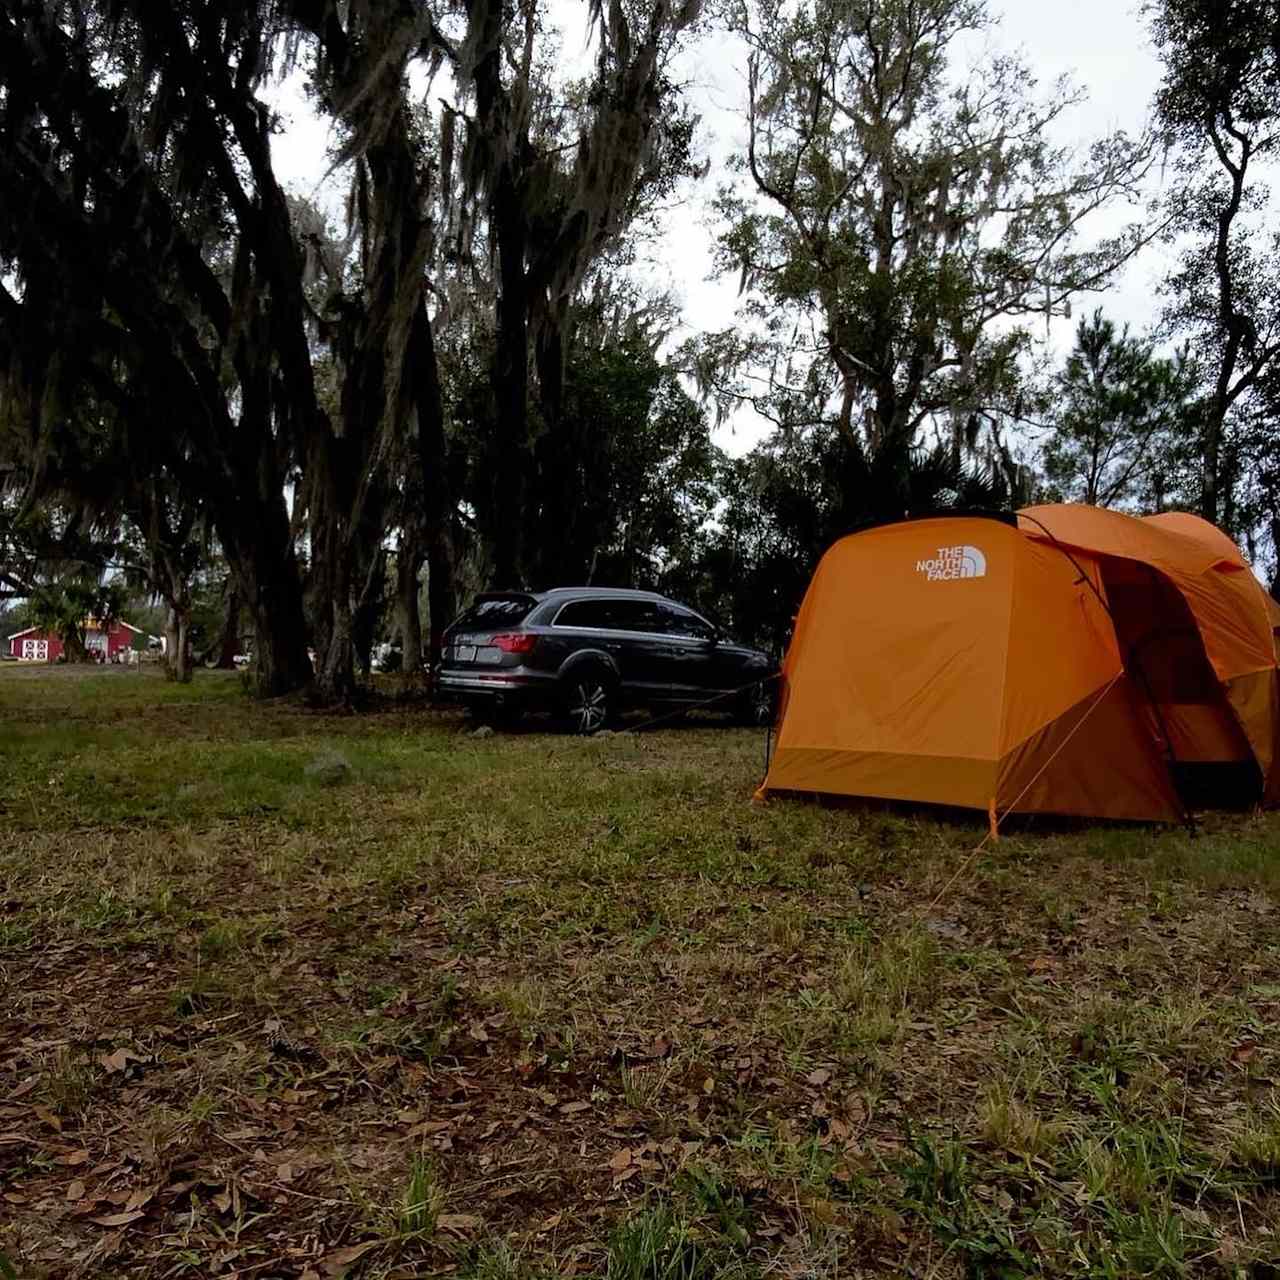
(506, 688)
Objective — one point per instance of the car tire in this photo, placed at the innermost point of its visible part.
(588, 702)
(756, 705)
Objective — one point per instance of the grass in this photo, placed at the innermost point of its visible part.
(526, 1006)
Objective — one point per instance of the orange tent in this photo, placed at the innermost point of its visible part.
(1067, 660)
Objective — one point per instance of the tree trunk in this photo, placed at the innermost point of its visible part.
(442, 596)
(438, 503)
(177, 646)
(1210, 459)
(562, 517)
(280, 661)
(408, 562)
(366, 611)
(273, 596)
(551, 372)
(258, 542)
(495, 113)
(329, 590)
(229, 645)
(511, 380)
(336, 678)
(1232, 327)
(73, 646)
(1228, 478)
(1275, 551)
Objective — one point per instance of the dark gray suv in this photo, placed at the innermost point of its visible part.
(588, 653)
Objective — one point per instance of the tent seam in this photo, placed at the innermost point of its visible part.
(1004, 678)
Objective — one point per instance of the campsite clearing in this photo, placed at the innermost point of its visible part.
(528, 1004)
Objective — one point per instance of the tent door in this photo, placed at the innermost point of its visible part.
(1185, 702)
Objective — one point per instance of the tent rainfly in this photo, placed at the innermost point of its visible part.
(1066, 660)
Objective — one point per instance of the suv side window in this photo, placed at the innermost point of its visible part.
(596, 614)
(682, 622)
(636, 615)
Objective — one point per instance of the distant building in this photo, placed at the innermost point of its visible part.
(35, 644)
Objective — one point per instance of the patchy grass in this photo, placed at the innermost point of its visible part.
(525, 1006)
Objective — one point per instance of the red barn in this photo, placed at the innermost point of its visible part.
(37, 645)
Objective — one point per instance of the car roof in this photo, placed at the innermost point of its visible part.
(612, 593)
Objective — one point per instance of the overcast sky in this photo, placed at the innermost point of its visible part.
(1102, 44)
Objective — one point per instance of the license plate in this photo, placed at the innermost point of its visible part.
(464, 653)
(487, 653)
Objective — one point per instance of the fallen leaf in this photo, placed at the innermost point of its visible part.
(54, 1122)
(337, 1263)
(140, 1198)
(15, 1139)
(119, 1219)
(75, 1191)
(72, 1158)
(573, 1108)
(818, 1077)
(621, 1161)
(120, 1059)
(551, 1223)
(23, 1089)
(479, 1033)
(284, 1173)
(222, 1202)
(460, 1222)
(428, 1127)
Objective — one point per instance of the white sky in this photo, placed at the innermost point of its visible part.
(1102, 44)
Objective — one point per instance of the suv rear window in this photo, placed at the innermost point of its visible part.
(496, 611)
(597, 614)
(611, 614)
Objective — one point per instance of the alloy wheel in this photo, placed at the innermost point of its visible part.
(588, 706)
(760, 705)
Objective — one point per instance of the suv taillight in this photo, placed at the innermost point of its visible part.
(514, 642)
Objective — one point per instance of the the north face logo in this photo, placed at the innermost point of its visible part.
(953, 562)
